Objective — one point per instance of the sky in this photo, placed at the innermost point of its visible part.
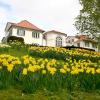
(46, 14)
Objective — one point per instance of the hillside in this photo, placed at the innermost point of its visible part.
(47, 70)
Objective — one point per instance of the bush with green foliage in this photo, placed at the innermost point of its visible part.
(14, 38)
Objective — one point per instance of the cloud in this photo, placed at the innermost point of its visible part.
(46, 14)
(5, 6)
(4, 9)
(2, 22)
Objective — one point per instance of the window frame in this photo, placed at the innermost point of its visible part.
(94, 45)
(78, 44)
(59, 41)
(20, 32)
(72, 40)
(87, 44)
(35, 34)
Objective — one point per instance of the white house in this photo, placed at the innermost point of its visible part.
(29, 32)
(34, 35)
(82, 41)
(54, 38)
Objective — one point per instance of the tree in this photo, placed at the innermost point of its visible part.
(88, 22)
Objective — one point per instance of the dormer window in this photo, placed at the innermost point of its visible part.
(21, 32)
(35, 34)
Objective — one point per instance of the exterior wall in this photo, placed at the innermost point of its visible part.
(7, 34)
(44, 42)
(28, 39)
(82, 43)
(71, 38)
(90, 46)
(68, 44)
(51, 39)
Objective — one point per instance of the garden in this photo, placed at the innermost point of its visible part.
(51, 70)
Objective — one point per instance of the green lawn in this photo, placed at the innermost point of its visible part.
(16, 51)
(15, 94)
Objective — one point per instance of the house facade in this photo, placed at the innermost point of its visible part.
(34, 35)
(29, 32)
(55, 38)
(82, 41)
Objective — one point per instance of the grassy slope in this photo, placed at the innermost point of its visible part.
(16, 94)
(18, 52)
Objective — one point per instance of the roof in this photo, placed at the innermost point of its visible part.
(89, 40)
(26, 24)
(84, 38)
(81, 36)
(68, 37)
(56, 32)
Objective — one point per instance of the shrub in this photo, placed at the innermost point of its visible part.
(14, 38)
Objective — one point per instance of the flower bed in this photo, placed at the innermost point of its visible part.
(62, 53)
(33, 73)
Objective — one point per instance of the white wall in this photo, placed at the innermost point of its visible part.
(28, 39)
(44, 42)
(51, 39)
(71, 38)
(90, 46)
(82, 44)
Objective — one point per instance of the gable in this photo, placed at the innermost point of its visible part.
(55, 32)
(23, 24)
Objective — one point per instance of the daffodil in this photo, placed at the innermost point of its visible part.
(24, 71)
(0, 67)
(98, 70)
(10, 67)
(43, 71)
(52, 70)
(62, 71)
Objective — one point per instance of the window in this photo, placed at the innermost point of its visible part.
(94, 45)
(35, 34)
(10, 33)
(68, 41)
(72, 40)
(21, 32)
(78, 44)
(35, 44)
(87, 44)
(58, 41)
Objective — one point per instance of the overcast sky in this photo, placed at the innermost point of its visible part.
(46, 14)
